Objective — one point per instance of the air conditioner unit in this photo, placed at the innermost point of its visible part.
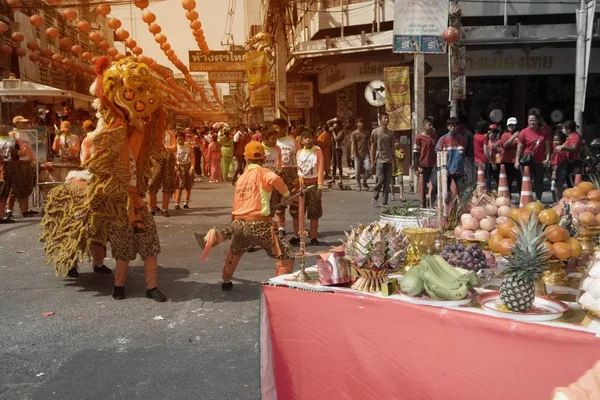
(13, 84)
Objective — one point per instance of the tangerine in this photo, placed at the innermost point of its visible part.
(494, 241)
(562, 250)
(548, 246)
(594, 195)
(555, 233)
(575, 246)
(585, 187)
(513, 214)
(513, 233)
(597, 219)
(593, 206)
(548, 217)
(535, 206)
(505, 246)
(505, 227)
(586, 218)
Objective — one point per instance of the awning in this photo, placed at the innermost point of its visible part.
(17, 91)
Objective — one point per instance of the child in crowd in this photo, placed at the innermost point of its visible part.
(559, 168)
(205, 139)
(310, 172)
(226, 143)
(214, 156)
(185, 170)
(454, 144)
(397, 178)
(289, 170)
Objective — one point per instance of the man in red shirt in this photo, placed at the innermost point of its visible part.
(570, 150)
(536, 141)
(424, 160)
(480, 149)
(508, 143)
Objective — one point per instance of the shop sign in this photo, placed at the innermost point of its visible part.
(338, 76)
(419, 25)
(224, 61)
(226, 77)
(300, 95)
(397, 99)
(499, 60)
(13, 99)
(229, 103)
(268, 114)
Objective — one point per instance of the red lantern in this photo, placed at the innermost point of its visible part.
(148, 16)
(34, 57)
(169, 53)
(137, 50)
(195, 25)
(87, 56)
(191, 15)
(17, 37)
(3, 27)
(45, 61)
(165, 46)
(112, 52)
(130, 43)
(65, 42)
(67, 62)
(6, 49)
(121, 34)
(70, 14)
(52, 33)
(14, 4)
(56, 57)
(141, 4)
(46, 53)
(104, 45)
(145, 60)
(77, 50)
(36, 20)
(114, 23)
(154, 28)
(83, 26)
(95, 37)
(54, 2)
(188, 4)
(33, 45)
(451, 35)
(160, 38)
(103, 9)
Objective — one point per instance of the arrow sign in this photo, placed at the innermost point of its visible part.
(375, 93)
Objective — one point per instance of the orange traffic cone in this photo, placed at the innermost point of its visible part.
(480, 178)
(578, 179)
(526, 192)
(503, 190)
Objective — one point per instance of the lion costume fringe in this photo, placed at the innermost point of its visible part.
(81, 211)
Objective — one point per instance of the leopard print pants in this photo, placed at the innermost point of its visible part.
(19, 179)
(125, 244)
(313, 205)
(184, 178)
(247, 234)
(163, 174)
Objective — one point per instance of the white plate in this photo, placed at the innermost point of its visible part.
(543, 308)
(427, 301)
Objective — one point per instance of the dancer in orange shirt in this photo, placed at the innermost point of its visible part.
(310, 172)
(324, 142)
(252, 224)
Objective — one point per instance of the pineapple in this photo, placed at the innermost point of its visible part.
(524, 266)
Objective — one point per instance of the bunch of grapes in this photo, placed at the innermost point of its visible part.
(471, 258)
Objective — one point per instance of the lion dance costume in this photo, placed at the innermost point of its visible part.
(104, 203)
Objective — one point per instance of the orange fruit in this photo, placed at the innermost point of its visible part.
(568, 193)
(505, 246)
(525, 213)
(597, 219)
(593, 206)
(585, 187)
(549, 248)
(586, 218)
(494, 241)
(555, 233)
(594, 195)
(577, 194)
(514, 232)
(575, 246)
(513, 214)
(548, 217)
(535, 206)
(505, 227)
(562, 250)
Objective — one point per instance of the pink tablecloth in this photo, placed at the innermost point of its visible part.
(347, 346)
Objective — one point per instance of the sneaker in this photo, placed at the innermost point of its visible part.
(281, 231)
(102, 269)
(177, 207)
(73, 273)
(295, 240)
(226, 286)
(314, 242)
(359, 189)
(186, 206)
(393, 198)
(9, 213)
(165, 213)
(28, 214)
(152, 212)
(118, 293)
(366, 186)
(157, 209)
(374, 201)
(156, 295)
(7, 220)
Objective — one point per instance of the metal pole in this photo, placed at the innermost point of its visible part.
(505, 12)
(580, 63)
(280, 71)
(342, 28)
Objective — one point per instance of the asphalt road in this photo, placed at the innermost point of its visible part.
(201, 344)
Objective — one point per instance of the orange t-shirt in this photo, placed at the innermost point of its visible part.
(253, 192)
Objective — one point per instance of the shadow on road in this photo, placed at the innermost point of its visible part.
(174, 282)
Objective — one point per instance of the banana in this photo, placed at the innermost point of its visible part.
(431, 277)
(450, 294)
(447, 267)
(431, 293)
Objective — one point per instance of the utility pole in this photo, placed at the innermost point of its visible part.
(419, 101)
(580, 64)
(280, 72)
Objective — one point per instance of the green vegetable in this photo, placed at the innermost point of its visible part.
(412, 284)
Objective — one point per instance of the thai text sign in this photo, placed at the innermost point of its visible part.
(300, 95)
(225, 61)
(226, 77)
(418, 26)
(257, 67)
(397, 97)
